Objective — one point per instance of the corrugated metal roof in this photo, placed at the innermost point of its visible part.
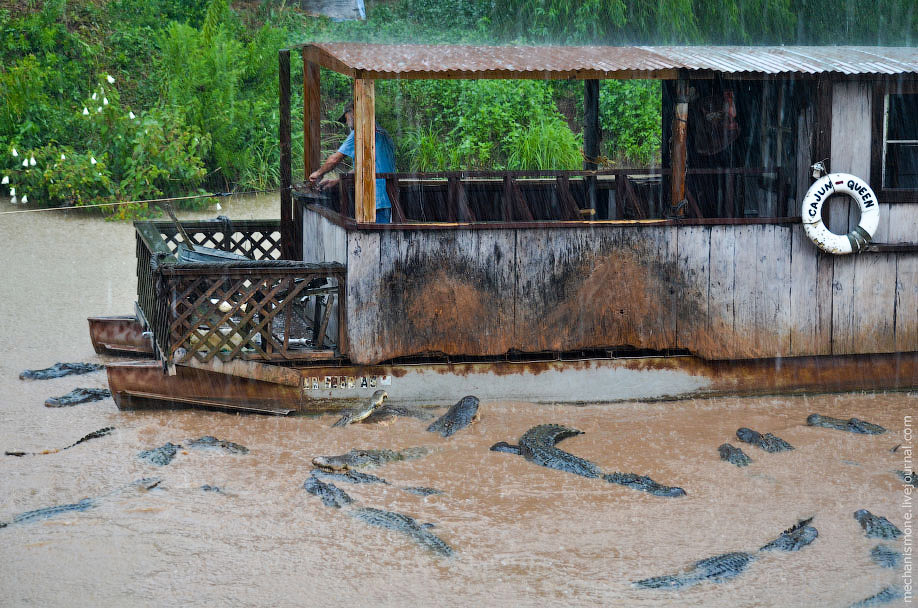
(457, 61)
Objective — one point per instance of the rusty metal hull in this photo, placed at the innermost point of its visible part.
(329, 388)
(119, 335)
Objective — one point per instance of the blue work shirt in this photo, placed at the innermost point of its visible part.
(385, 162)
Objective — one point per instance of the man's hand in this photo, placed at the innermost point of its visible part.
(329, 183)
(315, 176)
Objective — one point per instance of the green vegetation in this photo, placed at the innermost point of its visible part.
(120, 101)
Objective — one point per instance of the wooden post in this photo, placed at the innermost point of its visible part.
(678, 153)
(312, 134)
(288, 247)
(592, 134)
(365, 149)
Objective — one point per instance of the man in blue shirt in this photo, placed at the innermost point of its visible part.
(385, 163)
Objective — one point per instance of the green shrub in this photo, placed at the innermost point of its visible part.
(629, 114)
(545, 143)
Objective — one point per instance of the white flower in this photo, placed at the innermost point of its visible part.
(92, 160)
(6, 180)
(105, 101)
(218, 207)
(13, 200)
(131, 115)
(94, 96)
(12, 191)
(110, 79)
(63, 157)
(15, 153)
(85, 111)
(25, 162)
(25, 199)
(32, 160)
(99, 109)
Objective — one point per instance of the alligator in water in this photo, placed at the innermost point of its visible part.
(390, 410)
(876, 526)
(733, 455)
(767, 442)
(362, 412)
(883, 597)
(355, 476)
(78, 396)
(422, 491)
(82, 505)
(911, 478)
(331, 495)
(538, 445)
(406, 525)
(729, 565)
(456, 418)
(358, 458)
(162, 455)
(59, 370)
(94, 435)
(885, 557)
(852, 425)
(210, 442)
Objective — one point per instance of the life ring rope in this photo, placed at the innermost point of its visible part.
(857, 239)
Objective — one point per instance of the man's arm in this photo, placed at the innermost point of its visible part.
(328, 165)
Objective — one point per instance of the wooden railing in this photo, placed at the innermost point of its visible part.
(521, 196)
(258, 309)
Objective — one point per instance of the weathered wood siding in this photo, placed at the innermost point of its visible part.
(722, 292)
(323, 240)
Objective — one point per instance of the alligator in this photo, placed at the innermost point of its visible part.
(885, 596)
(729, 565)
(911, 477)
(59, 370)
(733, 455)
(852, 425)
(331, 495)
(162, 455)
(886, 557)
(209, 442)
(355, 476)
(794, 538)
(406, 525)
(356, 415)
(457, 417)
(390, 410)
(78, 396)
(358, 458)
(421, 491)
(94, 435)
(767, 442)
(82, 505)
(538, 445)
(876, 526)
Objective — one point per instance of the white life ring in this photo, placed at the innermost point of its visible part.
(840, 183)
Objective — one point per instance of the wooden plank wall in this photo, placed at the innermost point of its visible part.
(723, 292)
(323, 240)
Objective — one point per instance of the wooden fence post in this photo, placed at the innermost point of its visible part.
(365, 150)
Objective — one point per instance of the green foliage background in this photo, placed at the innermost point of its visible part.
(190, 88)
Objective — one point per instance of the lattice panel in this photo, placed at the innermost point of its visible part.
(254, 315)
(255, 239)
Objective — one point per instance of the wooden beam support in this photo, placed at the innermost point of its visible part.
(365, 149)
(592, 135)
(678, 151)
(312, 133)
(288, 246)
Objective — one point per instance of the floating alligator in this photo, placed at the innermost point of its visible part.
(210, 442)
(362, 412)
(389, 411)
(852, 425)
(733, 455)
(83, 505)
(160, 456)
(331, 495)
(767, 442)
(59, 370)
(94, 435)
(78, 396)
(347, 475)
(457, 417)
(730, 565)
(883, 597)
(876, 526)
(538, 445)
(406, 525)
(885, 557)
(359, 458)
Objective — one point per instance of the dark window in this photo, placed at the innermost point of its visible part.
(900, 141)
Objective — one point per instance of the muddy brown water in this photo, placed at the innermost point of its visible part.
(523, 535)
